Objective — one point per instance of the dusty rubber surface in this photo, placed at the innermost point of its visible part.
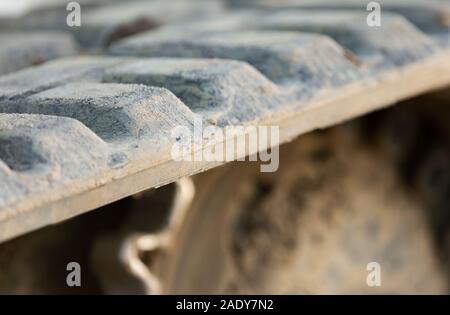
(79, 133)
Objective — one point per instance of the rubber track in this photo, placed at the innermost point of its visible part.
(78, 133)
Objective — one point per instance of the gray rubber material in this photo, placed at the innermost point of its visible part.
(77, 124)
(19, 50)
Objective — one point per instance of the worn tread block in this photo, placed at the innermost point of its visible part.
(45, 14)
(52, 74)
(395, 43)
(284, 57)
(112, 111)
(21, 50)
(106, 24)
(73, 88)
(38, 152)
(222, 91)
(103, 24)
(431, 16)
(49, 133)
